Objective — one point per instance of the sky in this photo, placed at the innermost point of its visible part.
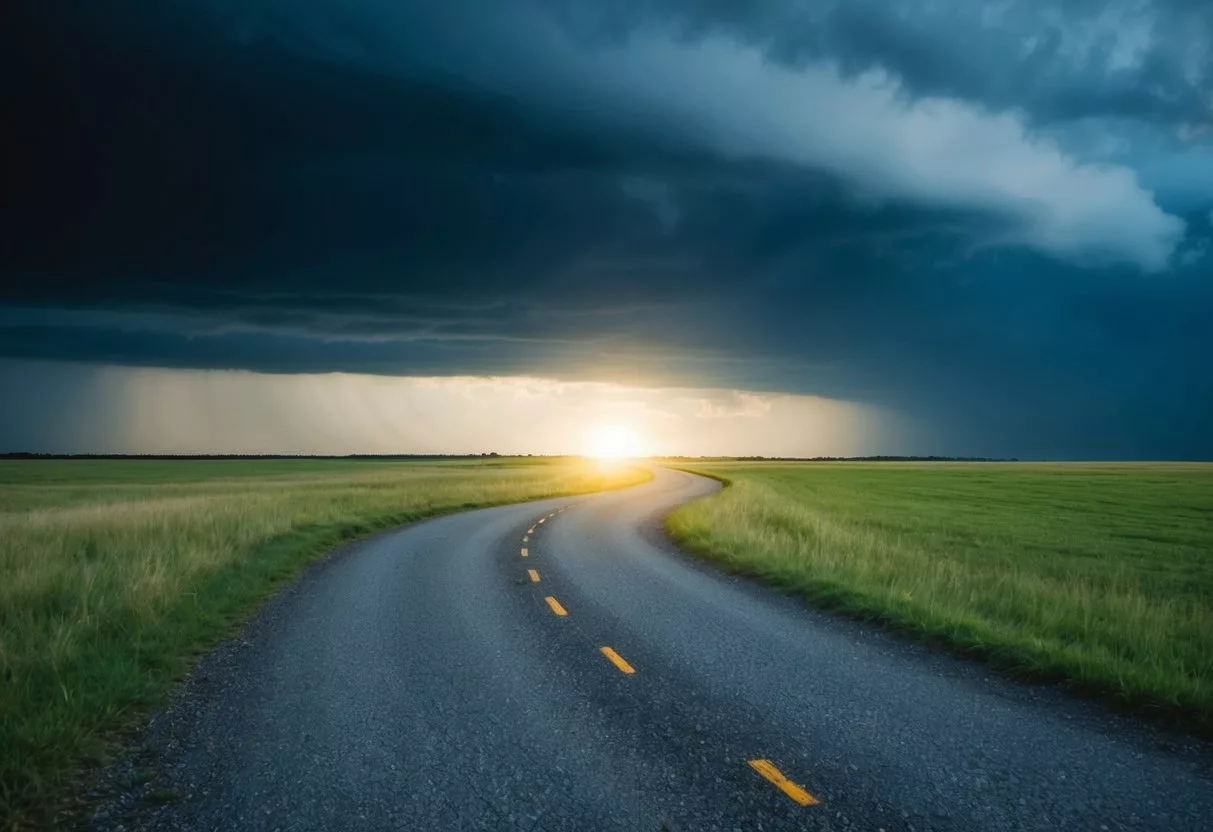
(770, 227)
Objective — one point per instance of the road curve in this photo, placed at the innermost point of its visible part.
(426, 679)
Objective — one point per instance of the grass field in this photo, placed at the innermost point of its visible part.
(1101, 575)
(113, 573)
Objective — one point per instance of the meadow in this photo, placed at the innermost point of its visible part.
(1100, 575)
(114, 573)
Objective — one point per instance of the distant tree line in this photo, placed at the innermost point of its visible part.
(879, 459)
(27, 455)
(853, 458)
(495, 455)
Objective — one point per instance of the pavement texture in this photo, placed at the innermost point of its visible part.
(423, 679)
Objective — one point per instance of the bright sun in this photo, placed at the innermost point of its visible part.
(613, 442)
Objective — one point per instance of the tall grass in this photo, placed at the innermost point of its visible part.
(113, 573)
(1101, 575)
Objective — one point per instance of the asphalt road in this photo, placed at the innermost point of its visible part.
(423, 680)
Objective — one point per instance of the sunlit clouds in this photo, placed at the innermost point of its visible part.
(128, 410)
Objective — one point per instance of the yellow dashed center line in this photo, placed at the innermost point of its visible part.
(524, 550)
(617, 660)
(534, 576)
(531, 530)
(525, 538)
(555, 606)
(541, 519)
(767, 769)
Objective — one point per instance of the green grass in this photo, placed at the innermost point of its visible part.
(114, 573)
(1097, 574)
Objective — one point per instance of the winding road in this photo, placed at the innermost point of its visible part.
(558, 666)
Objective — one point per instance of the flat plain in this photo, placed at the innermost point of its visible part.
(1100, 575)
(113, 573)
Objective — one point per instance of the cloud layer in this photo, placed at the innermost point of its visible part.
(986, 217)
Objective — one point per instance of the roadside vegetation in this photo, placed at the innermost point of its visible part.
(1100, 575)
(114, 573)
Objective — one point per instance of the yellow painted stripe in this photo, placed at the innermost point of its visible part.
(767, 769)
(525, 538)
(534, 576)
(617, 660)
(541, 519)
(531, 530)
(524, 550)
(555, 605)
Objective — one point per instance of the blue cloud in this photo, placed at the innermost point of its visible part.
(979, 216)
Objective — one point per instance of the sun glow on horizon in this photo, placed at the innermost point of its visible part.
(613, 442)
(165, 411)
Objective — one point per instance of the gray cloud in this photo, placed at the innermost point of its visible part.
(845, 100)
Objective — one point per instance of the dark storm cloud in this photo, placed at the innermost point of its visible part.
(1056, 60)
(635, 191)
